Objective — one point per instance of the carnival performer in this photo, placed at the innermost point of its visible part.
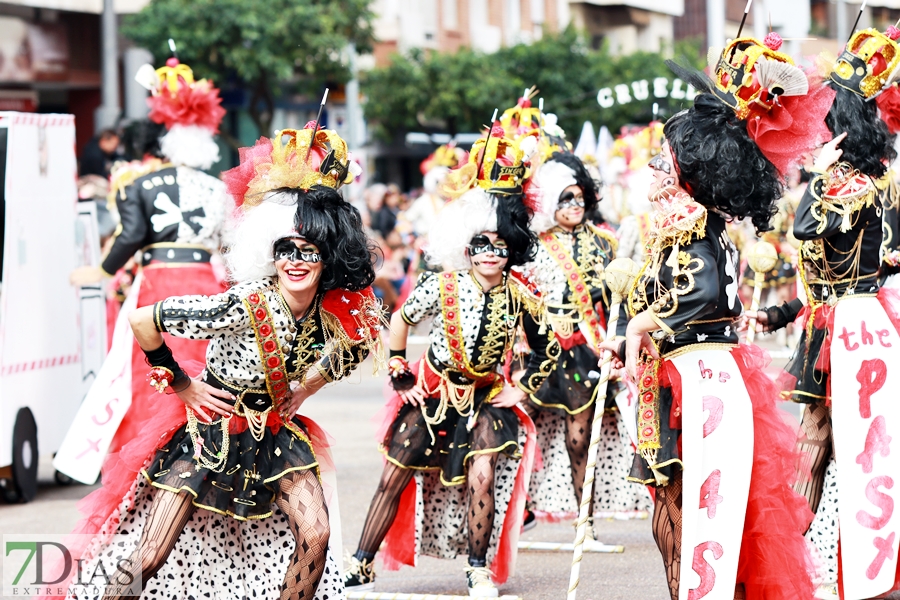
(569, 271)
(228, 447)
(455, 436)
(723, 482)
(839, 370)
(423, 213)
(175, 216)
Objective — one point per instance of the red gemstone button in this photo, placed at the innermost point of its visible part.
(579, 288)
(265, 329)
(451, 314)
(269, 346)
(648, 414)
(452, 329)
(278, 385)
(454, 343)
(451, 301)
(273, 361)
(276, 375)
(260, 314)
(254, 298)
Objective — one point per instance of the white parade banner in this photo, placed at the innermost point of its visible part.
(87, 441)
(864, 412)
(717, 451)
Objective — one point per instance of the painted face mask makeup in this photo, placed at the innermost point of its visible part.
(570, 200)
(480, 244)
(287, 250)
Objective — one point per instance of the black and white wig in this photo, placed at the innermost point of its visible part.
(475, 212)
(318, 215)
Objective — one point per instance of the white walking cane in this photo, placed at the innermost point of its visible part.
(619, 275)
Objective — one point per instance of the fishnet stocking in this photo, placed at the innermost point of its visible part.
(384, 506)
(301, 500)
(667, 530)
(480, 481)
(168, 516)
(578, 439)
(815, 451)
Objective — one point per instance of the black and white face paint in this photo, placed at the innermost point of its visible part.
(288, 249)
(480, 244)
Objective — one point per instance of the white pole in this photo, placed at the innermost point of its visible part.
(715, 23)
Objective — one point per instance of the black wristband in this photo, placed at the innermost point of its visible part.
(620, 352)
(162, 357)
(400, 353)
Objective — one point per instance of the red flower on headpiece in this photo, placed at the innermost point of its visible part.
(237, 180)
(773, 41)
(889, 107)
(793, 126)
(196, 104)
(893, 33)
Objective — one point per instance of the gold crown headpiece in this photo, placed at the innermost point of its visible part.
(522, 119)
(502, 167)
(277, 163)
(751, 76)
(869, 63)
(447, 155)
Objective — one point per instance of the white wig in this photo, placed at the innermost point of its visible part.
(551, 179)
(256, 231)
(190, 146)
(433, 179)
(457, 223)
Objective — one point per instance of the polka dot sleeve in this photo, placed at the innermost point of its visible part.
(423, 301)
(201, 317)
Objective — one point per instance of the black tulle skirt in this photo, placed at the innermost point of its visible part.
(244, 485)
(572, 383)
(668, 458)
(447, 446)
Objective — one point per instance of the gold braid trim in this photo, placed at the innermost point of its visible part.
(854, 191)
(124, 174)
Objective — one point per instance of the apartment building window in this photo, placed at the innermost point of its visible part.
(450, 16)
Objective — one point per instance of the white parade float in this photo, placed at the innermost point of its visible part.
(52, 335)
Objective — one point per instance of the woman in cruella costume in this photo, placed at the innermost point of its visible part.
(710, 439)
(224, 493)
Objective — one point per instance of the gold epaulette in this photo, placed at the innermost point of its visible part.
(606, 235)
(530, 299)
(845, 191)
(124, 173)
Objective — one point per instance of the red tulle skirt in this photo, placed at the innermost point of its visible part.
(775, 563)
(161, 281)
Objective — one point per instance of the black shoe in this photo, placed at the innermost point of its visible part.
(530, 521)
(360, 575)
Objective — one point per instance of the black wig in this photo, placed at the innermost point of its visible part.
(512, 228)
(326, 220)
(719, 164)
(869, 145)
(582, 178)
(141, 138)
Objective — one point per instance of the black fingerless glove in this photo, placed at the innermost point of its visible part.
(780, 317)
(162, 357)
(402, 378)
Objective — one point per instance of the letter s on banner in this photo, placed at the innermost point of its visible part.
(605, 98)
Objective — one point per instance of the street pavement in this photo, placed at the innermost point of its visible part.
(349, 411)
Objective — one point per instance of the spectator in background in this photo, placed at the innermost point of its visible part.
(99, 154)
(384, 218)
